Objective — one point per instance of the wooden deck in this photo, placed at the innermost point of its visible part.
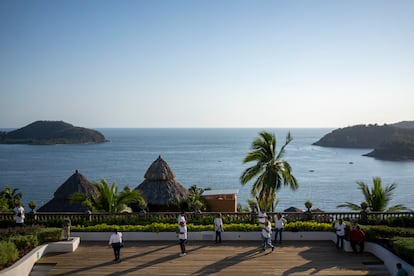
(207, 258)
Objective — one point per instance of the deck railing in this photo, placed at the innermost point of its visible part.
(98, 217)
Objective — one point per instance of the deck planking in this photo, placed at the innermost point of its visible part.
(207, 258)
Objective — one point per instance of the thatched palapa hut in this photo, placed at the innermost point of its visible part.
(293, 210)
(77, 183)
(160, 186)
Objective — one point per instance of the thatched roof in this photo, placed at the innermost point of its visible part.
(160, 185)
(159, 171)
(293, 210)
(76, 183)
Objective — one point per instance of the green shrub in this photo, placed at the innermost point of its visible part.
(308, 226)
(171, 227)
(8, 253)
(23, 242)
(49, 235)
(404, 221)
(404, 247)
(375, 232)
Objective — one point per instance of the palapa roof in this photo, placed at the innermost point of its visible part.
(76, 183)
(160, 185)
(293, 210)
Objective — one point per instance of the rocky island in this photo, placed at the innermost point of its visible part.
(389, 142)
(50, 133)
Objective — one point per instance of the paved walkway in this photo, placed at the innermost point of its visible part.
(207, 258)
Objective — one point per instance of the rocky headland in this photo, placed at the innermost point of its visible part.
(389, 142)
(50, 133)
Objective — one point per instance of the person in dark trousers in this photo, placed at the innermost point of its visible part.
(218, 227)
(279, 225)
(267, 236)
(19, 211)
(340, 233)
(182, 236)
(115, 240)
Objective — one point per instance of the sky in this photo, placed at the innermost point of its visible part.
(215, 63)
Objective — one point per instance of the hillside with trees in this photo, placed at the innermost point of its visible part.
(50, 133)
(389, 142)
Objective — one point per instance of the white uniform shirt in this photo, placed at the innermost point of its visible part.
(115, 238)
(267, 231)
(280, 223)
(182, 232)
(340, 229)
(180, 218)
(262, 217)
(218, 222)
(19, 209)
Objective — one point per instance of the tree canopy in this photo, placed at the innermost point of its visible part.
(269, 170)
(109, 199)
(376, 198)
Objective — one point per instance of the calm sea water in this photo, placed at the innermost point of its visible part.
(205, 157)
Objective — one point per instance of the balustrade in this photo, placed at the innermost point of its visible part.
(239, 217)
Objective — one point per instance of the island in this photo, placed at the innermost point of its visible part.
(51, 133)
(393, 142)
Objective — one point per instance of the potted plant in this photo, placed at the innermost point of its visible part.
(32, 205)
(308, 205)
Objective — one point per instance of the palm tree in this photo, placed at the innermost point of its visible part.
(193, 202)
(376, 198)
(12, 196)
(109, 199)
(270, 169)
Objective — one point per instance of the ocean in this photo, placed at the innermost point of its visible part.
(208, 158)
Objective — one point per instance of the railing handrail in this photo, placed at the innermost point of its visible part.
(232, 216)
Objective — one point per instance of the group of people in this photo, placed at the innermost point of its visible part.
(356, 236)
(267, 229)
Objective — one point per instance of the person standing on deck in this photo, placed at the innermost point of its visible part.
(267, 236)
(279, 225)
(340, 233)
(262, 216)
(115, 240)
(182, 236)
(19, 211)
(218, 227)
(181, 217)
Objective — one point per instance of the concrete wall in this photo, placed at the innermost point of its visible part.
(25, 264)
(201, 236)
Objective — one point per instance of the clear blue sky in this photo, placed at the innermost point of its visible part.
(215, 63)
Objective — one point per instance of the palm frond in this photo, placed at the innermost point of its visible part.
(349, 205)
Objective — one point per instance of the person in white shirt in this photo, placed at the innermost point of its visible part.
(19, 211)
(262, 216)
(340, 233)
(115, 240)
(267, 235)
(218, 227)
(181, 216)
(182, 236)
(279, 225)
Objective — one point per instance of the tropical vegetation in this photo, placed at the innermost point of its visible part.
(15, 243)
(109, 199)
(171, 227)
(269, 170)
(193, 202)
(9, 198)
(376, 198)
